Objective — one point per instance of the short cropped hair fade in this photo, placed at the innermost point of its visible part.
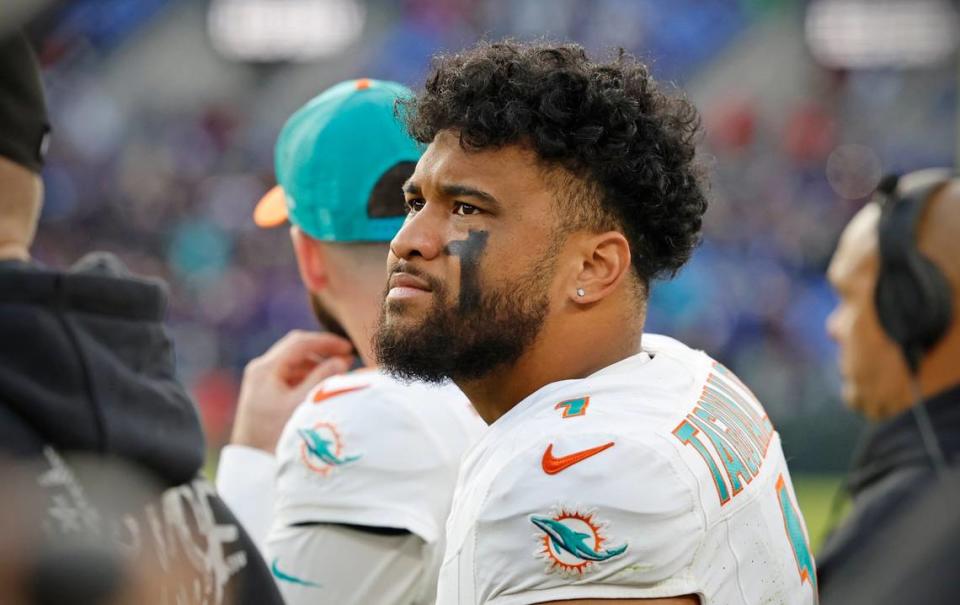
(629, 147)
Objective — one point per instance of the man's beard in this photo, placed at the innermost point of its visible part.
(453, 342)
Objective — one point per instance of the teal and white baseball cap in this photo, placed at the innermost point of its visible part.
(329, 158)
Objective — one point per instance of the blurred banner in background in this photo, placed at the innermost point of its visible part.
(165, 113)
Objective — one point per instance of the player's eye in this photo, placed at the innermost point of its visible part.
(461, 209)
(415, 205)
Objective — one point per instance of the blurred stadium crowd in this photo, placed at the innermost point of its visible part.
(164, 169)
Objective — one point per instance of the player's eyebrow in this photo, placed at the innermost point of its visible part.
(455, 190)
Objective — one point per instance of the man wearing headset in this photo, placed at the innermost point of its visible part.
(897, 275)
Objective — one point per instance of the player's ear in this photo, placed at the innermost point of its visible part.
(604, 262)
(311, 260)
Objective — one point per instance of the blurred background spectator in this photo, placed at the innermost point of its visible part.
(165, 113)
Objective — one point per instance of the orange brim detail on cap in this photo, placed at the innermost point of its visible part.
(271, 210)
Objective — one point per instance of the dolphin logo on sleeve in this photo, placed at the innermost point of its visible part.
(322, 447)
(573, 541)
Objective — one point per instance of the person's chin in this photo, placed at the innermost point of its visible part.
(849, 395)
(857, 401)
(403, 317)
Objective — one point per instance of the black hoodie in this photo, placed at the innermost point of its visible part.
(86, 367)
(901, 539)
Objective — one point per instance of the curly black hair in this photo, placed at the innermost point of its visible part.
(623, 142)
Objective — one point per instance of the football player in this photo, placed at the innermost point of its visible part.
(618, 465)
(346, 484)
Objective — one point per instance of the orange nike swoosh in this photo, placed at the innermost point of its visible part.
(552, 466)
(324, 395)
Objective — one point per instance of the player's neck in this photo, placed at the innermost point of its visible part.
(358, 313)
(563, 351)
(939, 370)
(359, 327)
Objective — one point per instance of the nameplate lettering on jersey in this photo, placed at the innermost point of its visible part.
(729, 430)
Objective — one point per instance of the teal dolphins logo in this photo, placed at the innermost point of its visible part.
(285, 577)
(322, 448)
(572, 541)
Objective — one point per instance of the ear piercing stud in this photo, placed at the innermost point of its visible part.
(581, 292)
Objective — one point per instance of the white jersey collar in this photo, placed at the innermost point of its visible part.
(517, 412)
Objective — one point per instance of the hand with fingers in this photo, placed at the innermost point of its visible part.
(275, 383)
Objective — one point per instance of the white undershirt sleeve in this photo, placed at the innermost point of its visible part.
(336, 564)
(245, 478)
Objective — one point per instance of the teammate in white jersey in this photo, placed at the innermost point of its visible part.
(618, 465)
(349, 501)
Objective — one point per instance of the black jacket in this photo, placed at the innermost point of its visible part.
(87, 371)
(901, 540)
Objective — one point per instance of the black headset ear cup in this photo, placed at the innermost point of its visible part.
(914, 306)
(913, 297)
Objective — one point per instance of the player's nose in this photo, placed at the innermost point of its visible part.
(421, 236)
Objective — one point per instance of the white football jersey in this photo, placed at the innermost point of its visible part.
(657, 476)
(365, 449)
